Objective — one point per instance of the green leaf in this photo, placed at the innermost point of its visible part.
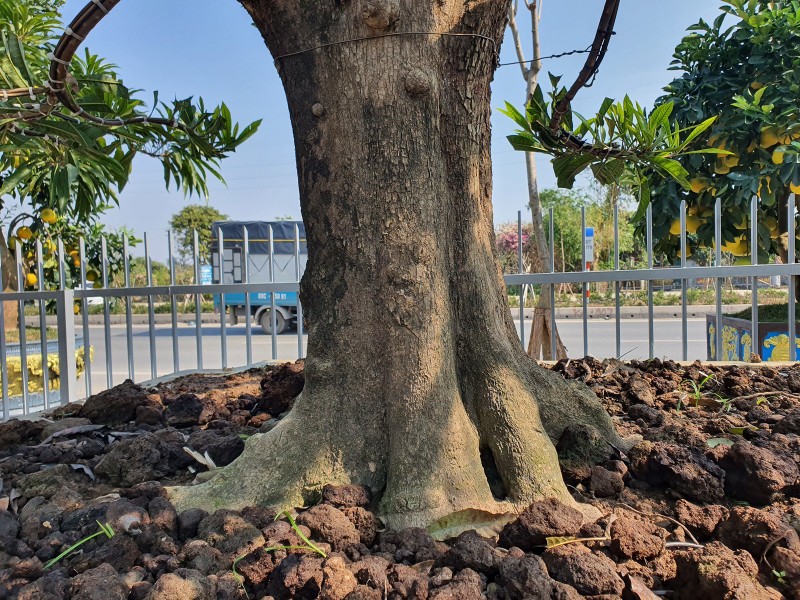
(609, 171)
(11, 182)
(568, 167)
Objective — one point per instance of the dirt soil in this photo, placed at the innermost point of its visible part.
(705, 507)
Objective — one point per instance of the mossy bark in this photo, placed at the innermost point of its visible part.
(414, 369)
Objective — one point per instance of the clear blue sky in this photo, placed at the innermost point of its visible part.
(209, 48)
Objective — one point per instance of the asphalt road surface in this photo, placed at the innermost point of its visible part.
(601, 341)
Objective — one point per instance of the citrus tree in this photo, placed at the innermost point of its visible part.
(65, 158)
(744, 69)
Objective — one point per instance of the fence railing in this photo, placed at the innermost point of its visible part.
(683, 273)
(152, 348)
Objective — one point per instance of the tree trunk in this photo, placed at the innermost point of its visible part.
(415, 378)
(540, 343)
(8, 282)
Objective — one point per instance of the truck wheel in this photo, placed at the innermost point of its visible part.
(266, 322)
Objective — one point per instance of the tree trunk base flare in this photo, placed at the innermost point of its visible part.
(420, 472)
(416, 383)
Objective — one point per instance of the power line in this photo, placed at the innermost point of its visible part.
(561, 55)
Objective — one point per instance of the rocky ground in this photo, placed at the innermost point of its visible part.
(705, 507)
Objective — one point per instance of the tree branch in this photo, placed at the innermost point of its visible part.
(602, 38)
(512, 25)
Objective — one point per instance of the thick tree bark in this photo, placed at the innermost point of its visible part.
(414, 370)
(8, 283)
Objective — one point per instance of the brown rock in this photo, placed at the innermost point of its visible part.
(414, 544)
(638, 391)
(753, 530)
(100, 583)
(230, 533)
(590, 573)
(330, 525)
(296, 577)
(117, 405)
(365, 522)
(756, 474)
(371, 571)
(682, 468)
(701, 520)
(467, 585)
(539, 521)
(526, 577)
(605, 483)
(338, 582)
(346, 496)
(717, 572)
(281, 386)
(470, 551)
(639, 540)
(183, 584)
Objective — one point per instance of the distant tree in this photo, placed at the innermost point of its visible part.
(191, 218)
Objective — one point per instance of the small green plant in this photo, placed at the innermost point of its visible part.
(104, 530)
(780, 576)
(761, 401)
(309, 546)
(697, 388)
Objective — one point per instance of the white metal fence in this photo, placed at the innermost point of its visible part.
(155, 345)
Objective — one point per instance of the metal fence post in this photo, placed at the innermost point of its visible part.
(68, 378)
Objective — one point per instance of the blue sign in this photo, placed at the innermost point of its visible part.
(206, 275)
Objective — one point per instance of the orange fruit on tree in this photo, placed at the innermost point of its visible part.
(49, 216)
(24, 233)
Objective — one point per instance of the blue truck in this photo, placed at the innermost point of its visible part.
(276, 251)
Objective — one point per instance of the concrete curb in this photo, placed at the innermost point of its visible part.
(574, 312)
(697, 311)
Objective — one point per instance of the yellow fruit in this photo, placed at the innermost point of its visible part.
(771, 223)
(76, 261)
(24, 233)
(756, 85)
(722, 169)
(31, 280)
(732, 160)
(738, 247)
(91, 276)
(73, 253)
(777, 157)
(692, 223)
(794, 188)
(769, 138)
(698, 186)
(97, 285)
(49, 216)
(76, 309)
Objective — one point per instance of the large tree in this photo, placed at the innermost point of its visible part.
(416, 384)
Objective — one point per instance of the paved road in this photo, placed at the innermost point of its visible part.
(602, 343)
